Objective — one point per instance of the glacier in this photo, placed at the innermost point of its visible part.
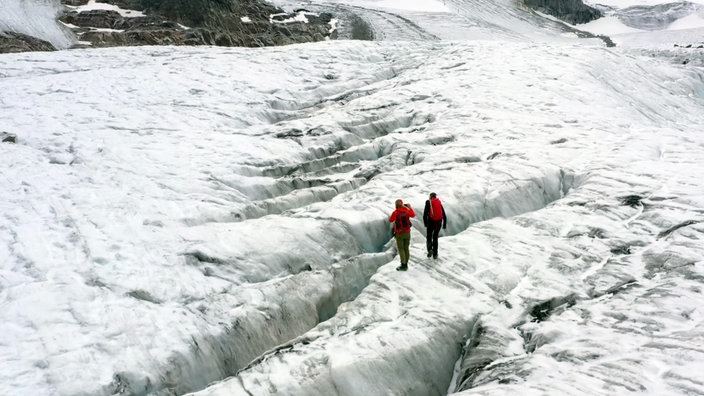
(214, 221)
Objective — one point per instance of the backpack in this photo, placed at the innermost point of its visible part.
(403, 222)
(435, 209)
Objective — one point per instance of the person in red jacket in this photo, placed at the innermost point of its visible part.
(401, 217)
(433, 218)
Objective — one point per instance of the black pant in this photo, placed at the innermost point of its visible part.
(432, 234)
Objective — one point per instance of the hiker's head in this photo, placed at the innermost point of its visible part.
(433, 195)
(399, 203)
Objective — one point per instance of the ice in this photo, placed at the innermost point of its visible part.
(215, 220)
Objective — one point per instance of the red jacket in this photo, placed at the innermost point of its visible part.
(399, 227)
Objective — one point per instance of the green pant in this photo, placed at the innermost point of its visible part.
(403, 242)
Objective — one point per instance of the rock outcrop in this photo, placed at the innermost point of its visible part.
(16, 42)
(8, 137)
(570, 11)
(248, 23)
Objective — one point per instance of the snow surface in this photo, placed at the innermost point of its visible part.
(179, 217)
(414, 5)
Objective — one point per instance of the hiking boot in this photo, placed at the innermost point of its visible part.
(430, 254)
(435, 255)
(402, 267)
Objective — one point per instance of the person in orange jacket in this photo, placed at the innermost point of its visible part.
(434, 217)
(401, 217)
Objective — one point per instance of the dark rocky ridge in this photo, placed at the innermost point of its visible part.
(15, 42)
(570, 11)
(194, 22)
(181, 22)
